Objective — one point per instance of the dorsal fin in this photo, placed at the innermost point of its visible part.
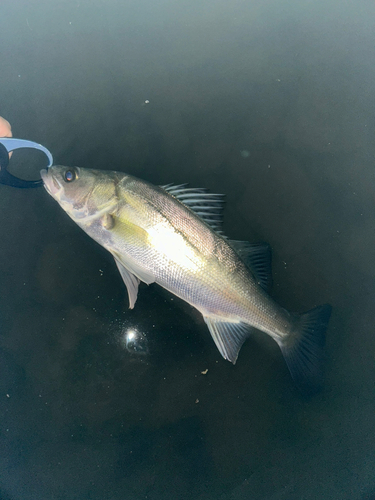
(258, 258)
(208, 206)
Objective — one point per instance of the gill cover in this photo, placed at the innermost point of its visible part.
(84, 194)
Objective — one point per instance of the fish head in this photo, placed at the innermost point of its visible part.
(83, 193)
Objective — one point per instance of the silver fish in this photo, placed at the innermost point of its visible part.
(171, 235)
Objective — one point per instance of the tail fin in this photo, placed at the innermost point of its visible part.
(303, 351)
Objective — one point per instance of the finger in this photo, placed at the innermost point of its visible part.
(5, 129)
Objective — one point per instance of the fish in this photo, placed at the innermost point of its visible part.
(172, 235)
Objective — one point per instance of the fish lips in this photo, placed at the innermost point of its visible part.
(51, 184)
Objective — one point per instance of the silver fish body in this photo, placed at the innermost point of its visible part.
(169, 235)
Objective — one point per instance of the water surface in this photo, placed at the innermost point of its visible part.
(271, 104)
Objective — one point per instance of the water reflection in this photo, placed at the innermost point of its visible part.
(134, 341)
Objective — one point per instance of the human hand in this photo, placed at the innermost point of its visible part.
(5, 128)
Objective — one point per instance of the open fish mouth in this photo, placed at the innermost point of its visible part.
(51, 184)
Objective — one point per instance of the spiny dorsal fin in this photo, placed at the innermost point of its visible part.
(208, 206)
(258, 258)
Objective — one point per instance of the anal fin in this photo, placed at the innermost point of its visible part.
(228, 336)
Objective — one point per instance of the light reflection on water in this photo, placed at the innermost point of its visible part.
(134, 341)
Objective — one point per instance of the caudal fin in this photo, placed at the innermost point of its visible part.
(303, 351)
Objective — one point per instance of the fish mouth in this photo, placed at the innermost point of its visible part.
(51, 184)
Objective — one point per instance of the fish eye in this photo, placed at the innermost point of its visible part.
(70, 175)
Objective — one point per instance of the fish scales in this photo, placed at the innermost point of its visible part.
(166, 235)
(216, 282)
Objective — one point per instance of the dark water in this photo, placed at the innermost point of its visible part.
(269, 102)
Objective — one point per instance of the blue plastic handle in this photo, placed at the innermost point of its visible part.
(8, 144)
(11, 144)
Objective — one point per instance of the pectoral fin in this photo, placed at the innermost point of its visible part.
(228, 336)
(131, 283)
